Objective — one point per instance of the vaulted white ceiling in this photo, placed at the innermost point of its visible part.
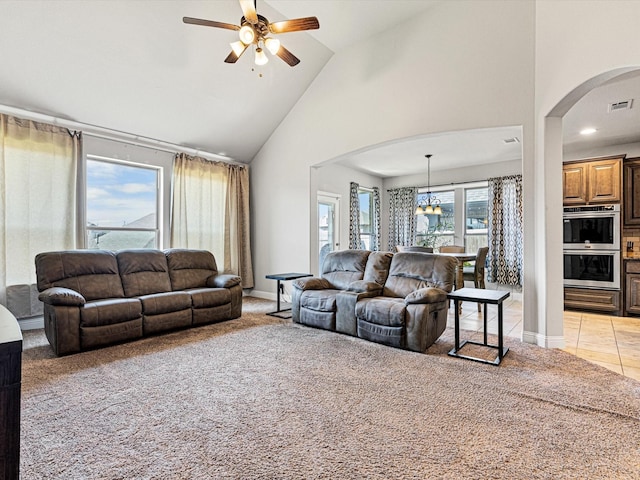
(135, 67)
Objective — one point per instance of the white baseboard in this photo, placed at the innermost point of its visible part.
(543, 340)
(265, 295)
(34, 323)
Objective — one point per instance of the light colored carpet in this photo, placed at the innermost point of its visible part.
(259, 397)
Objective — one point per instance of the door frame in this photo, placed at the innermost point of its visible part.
(331, 198)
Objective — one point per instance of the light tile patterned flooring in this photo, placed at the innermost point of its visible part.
(612, 342)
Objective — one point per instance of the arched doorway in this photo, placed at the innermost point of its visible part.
(551, 300)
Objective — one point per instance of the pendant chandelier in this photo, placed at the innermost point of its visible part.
(429, 205)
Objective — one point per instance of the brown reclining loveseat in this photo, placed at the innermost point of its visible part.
(94, 298)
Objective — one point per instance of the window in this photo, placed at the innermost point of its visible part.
(437, 230)
(476, 215)
(122, 204)
(366, 207)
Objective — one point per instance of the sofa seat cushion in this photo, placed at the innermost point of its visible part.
(158, 303)
(386, 311)
(319, 300)
(110, 311)
(209, 297)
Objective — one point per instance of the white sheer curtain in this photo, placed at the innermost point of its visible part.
(210, 211)
(37, 198)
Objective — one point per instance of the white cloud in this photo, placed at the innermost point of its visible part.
(94, 193)
(133, 188)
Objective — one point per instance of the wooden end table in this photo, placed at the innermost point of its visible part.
(283, 277)
(479, 295)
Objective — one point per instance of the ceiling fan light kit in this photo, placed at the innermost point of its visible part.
(254, 30)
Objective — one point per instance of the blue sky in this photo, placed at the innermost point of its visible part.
(119, 194)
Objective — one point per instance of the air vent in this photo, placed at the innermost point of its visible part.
(622, 105)
(511, 140)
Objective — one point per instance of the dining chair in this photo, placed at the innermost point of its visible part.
(451, 249)
(415, 248)
(475, 273)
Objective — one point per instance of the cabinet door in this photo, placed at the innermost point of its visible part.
(632, 293)
(632, 192)
(604, 181)
(574, 178)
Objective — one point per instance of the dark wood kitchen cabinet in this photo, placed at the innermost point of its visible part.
(631, 204)
(592, 181)
(632, 287)
(589, 299)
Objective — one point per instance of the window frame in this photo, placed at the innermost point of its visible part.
(369, 234)
(85, 229)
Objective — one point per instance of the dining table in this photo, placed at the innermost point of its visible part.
(461, 258)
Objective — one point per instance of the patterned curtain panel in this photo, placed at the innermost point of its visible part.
(402, 218)
(505, 265)
(210, 211)
(375, 221)
(354, 216)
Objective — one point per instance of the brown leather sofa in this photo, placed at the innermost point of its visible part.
(94, 298)
(396, 299)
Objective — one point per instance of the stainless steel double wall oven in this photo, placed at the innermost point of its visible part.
(591, 242)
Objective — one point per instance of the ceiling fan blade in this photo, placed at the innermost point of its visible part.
(249, 11)
(287, 56)
(295, 25)
(233, 56)
(209, 23)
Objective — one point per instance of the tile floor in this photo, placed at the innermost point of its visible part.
(612, 342)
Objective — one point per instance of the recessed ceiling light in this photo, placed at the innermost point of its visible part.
(587, 131)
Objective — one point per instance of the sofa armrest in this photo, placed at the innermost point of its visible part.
(311, 283)
(223, 281)
(62, 296)
(362, 286)
(426, 295)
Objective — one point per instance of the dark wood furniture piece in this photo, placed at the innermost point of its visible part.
(460, 258)
(632, 287)
(493, 297)
(631, 204)
(283, 277)
(592, 181)
(581, 299)
(10, 381)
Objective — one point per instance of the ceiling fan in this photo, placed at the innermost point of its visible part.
(254, 30)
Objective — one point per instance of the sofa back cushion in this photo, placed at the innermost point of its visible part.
(377, 269)
(92, 273)
(143, 272)
(190, 268)
(345, 266)
(412, 271)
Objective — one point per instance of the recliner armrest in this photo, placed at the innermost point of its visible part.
(426, 295)
(224, 281)
(362, 286)
(62, 296)
(311, 283)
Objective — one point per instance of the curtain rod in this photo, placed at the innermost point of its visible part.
(447, 184)
(117, 135)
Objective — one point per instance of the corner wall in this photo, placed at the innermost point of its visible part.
(461, 65)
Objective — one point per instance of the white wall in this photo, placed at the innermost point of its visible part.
(631, 150)
(579, 45)
(335, 179)
(448, 69)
